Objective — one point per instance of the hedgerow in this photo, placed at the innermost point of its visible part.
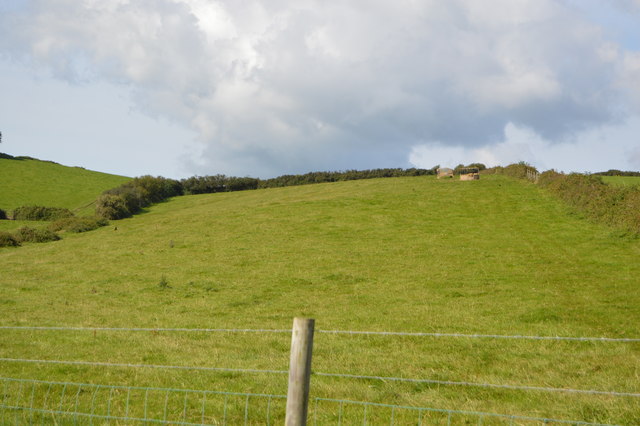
(616, 172)
(40, 213)
(33, 235)
(516, 170)
(131, 197)
(113, 207)
(589, 194)
(8, 240)
(321, 177)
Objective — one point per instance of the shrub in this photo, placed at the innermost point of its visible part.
(78, 224)
(133, 196)
(163, 283)
(3, 215)
(40, 213)
(617, 206)
(157, 188)
(110, 206)
(32, 235)
(8, 240)
(518, 171)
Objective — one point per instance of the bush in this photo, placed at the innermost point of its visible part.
(32, 235)
(78, 224)
(8, 240)
(157, 188)
(112, 207)
(40, 213)
(615, 172)
(3, 215)
(131, 197)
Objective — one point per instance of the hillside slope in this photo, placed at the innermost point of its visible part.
(26, 182)
(495, 256)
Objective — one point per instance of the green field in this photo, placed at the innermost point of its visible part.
(28, 182)
(622, 180)
(494, 256)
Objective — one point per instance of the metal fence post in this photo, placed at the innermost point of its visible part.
(299, 371)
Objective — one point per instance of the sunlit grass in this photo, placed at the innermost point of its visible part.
(25, 182)
(495, 256)
(622, 180)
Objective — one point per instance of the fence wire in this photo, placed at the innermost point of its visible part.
(36, 401)
(346, 412)
(27, 401)
(128, 365)
(319, 331)
(483, 385)
(335, 375)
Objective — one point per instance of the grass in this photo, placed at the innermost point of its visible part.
(33, 182)
(494, 256)
(622, 180)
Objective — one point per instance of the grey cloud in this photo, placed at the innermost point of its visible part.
(275, 87)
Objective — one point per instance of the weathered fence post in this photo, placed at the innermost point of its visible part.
(299, 371)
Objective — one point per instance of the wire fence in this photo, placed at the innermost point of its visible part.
(324, 374)
(320, 331)
(35, 401)
(38, 402)
(26, 401)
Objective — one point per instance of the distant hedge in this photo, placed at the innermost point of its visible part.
(217, 183)
(32, 235)
(613, 205)
(516, 170)
(222, 183)
(40, 213)
(615, 172)
(321, 177)
(131, 197)
(608, 204)
(8, 240)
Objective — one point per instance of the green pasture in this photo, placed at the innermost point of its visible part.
(25, 182)
(622, 180)
(494, 256)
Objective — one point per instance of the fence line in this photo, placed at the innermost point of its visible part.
(28, 399)
(484, 385)
(449, 413)
(126, 365)
(532, 174)
(335, 375)
(65, 401)
(482, 336)
(150, 329)
(348, 332)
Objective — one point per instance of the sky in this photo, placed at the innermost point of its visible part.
(261, 88)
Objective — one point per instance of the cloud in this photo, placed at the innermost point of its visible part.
(279, 86)
(612, 146)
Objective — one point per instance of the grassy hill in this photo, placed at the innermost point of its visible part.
(494, 256)
(25, 181)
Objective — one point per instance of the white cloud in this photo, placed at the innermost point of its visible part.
(614, 146)
(279, 86)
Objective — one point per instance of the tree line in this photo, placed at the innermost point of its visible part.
(133, 196)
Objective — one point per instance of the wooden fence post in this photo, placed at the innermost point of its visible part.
(299, 371)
